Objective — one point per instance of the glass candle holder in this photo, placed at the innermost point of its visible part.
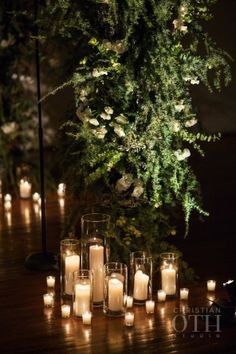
(169, 273)
(70, 262)
(95, 250)
(25, 187)
(115, 288)
(82, 292)
(141, 265)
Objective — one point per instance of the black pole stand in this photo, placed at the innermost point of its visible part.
(42, 260)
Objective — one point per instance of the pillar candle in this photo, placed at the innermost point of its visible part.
(82, 298)
(71, 265)
(115, 294)
(129, 319)
(184, 293)
(211, 285)
(25, 189)
(168, 280)
(96, 263)
(48, 300)
(87, 317)
(65, 311)
(50, 281)
(61, 190)
(161, 295)
(140, 285)
(7, 198)
(150, 306)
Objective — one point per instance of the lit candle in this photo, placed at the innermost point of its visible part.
(72, 263)
(65, 311)
(140, 285)
(184, 293)
(211, 285)
(129, 301)
(129, 319)
(115, 295)
(168, 280)
(7, 198)
(36, 197)
(87, 317)
(96, 263)
(7, 205)
(161, 295)
(61, 190)
(50, 281)
(25, 189)
(82, 298)
(48, 300)
(150, 305)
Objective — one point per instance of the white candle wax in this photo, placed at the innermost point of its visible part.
(7, 205)
(71, 265)
(7, 198)
(48, 300)
(96, 263)
(115, 294)
(87, 317)
(150, 306)
(25, 189)
(140, 285)
(211, 285)
(129, 301)
(168, 280)
(161, 295)
(50, 281)
(65, 311)
(36, 197)
(184, 293)
(129, 319)
(61, 190)
(82, 298)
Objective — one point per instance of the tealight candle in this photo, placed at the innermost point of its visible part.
(129, 301)
(211, 285)
(161, 295)
(36, 197)
(65, 311)
(7, 198)
(7, 205)
(129, 319)
(184, 293)
(50, 281)
(48, 300)
(150, 305)
(87, 317)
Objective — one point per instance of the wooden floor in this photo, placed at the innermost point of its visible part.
(27, 327)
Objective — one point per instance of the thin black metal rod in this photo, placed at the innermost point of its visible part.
(40, 133)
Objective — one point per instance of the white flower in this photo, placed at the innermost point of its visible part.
(105, 116)
(119, 131)
(175, 126)
(108, 110)
(187, 78)
(100, 132)
(9, 128)
(183, 10)
(124, 183)
(85, 115)
(138, 190)
(14, 76)
(99, 72)
(94, 121)
(121, 119)
(182, 154)
(190, 122)
(180, 107)
(195, 81)
(117, 46)
(179, 25)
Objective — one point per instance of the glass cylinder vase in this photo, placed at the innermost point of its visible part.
(141, 266)
(115, 288)
(82, 292)
(95, 250)
(69, 263)
(169, 273)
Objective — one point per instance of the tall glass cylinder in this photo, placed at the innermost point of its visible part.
(141, 267)
(169, 273)
(115, 288)
(82, 292)
(70, 262)
(95, 250)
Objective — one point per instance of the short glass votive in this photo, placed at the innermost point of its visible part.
(129, 319)
(48, 300)
(184, 292)
(25, 187)
(7, 198)
(141, 266)
(50, 281)
(36, 197)
(61, 190)
(150, 306)
(169, 273)
(115, 288)
(82, 292)
(7, 205)
(161, 295)
(129, 301)
(70, 262)
(65, 311)
(87, 318)
(211, 285)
